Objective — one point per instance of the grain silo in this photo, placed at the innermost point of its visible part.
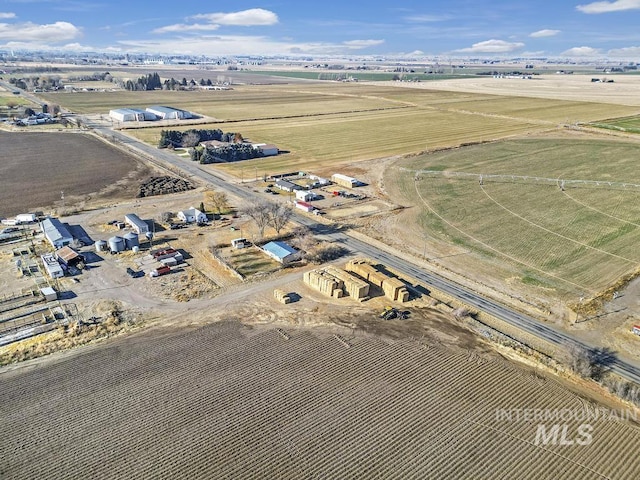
(101, 246)
(116, 244)
(131, 240)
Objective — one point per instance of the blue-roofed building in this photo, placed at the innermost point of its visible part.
(281, 252)
(56, 232)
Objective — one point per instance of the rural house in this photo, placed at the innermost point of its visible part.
(286, 186)
(193, 215)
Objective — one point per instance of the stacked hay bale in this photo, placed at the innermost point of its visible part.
(281, 296)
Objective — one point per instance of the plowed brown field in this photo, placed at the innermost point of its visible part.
(225, 401)
(36, 167)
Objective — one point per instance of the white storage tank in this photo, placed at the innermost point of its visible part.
(116, 244)
(101, 246)
(131, 240)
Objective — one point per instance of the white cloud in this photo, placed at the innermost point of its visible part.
(181, 27)
(606, 7)
(32, 32)
(427, 18)
(492, 46)
(581, 52)
(626, 52)
(245, 18)
(544, 33)
(356, 44)
(242, 45)
(7, 15)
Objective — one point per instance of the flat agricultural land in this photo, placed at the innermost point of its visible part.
(226, 401)
(624, 91)
(37, 167)
(579, 240)
(628, 124)
(325, 125)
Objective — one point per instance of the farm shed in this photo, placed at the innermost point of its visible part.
(305, 195)
(239, 243)
(139, 225)
(55, 232)
(131, 115)
(193, 215)
(344, 180)
(281, 252)
(26, 218)
(286, 186)
(52, 266)
(169, 113)
(267, 149)
(68, 256)
(304, 206)
(49, 294)
(319, 181)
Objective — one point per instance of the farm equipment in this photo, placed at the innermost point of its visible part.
(389, 313)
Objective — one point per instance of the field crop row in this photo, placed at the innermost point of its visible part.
(220, 402)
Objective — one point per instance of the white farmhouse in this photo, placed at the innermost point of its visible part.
(193, 215)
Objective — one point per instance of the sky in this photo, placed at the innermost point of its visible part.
(355, 28)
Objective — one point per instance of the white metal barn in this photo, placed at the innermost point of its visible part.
(131, 115)
(169, 113)
(193, 215)
(267, 149)
(55, 232)
(135, 222)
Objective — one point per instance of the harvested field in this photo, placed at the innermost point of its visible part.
(373, 121)
(578, 240)
(36, 167)
(226, 401)
(625, 90)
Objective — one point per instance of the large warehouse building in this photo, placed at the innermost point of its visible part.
(131, 115)
(169, 113)
(55, 232)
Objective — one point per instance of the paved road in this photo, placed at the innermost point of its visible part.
(473, 299)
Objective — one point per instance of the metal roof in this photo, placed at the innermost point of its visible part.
(55, 231)
(279, 249)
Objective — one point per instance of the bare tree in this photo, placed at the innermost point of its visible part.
(259, 213)
(279, 215)
(190, 139)
(580, 360)
(219, 200)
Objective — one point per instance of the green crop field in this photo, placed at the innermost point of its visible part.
(578, 240)
(625, 124)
